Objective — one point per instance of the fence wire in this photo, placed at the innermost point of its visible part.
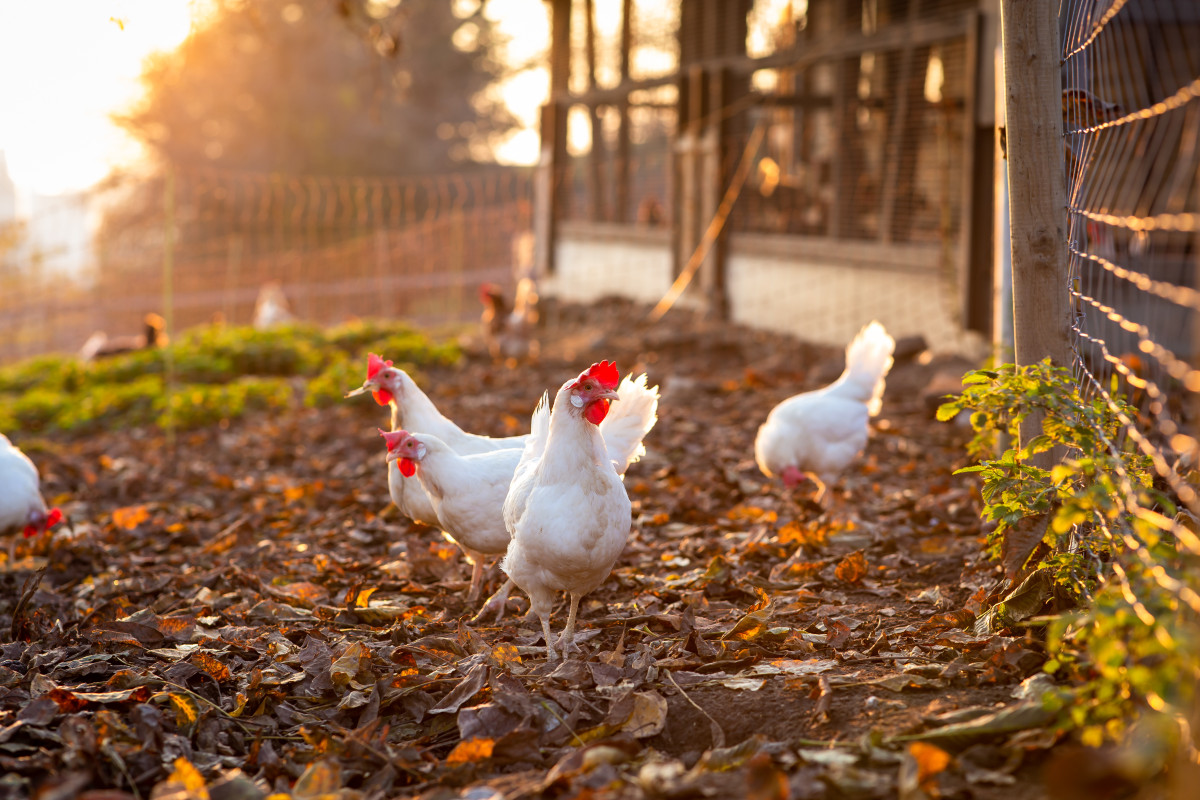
(337, 247)
(1131, 122)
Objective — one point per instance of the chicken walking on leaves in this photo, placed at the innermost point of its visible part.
(567, 510)
(21, 505)
(427, 496)
(817, 435)
(466, 492)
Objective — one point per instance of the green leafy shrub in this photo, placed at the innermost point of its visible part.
(1111, 542)
(196, 405)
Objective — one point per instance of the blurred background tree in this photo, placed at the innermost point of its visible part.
(326, 87)
(267, 99)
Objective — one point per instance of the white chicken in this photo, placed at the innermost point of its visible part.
(819, 434)
(466, 492)
(21, 505)
(623, 432)
(567, 509)
(271, 309)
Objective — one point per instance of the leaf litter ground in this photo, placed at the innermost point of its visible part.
(253, 616)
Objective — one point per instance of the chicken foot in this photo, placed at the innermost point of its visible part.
(495, 604)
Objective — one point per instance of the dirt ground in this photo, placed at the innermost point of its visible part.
(253, 615)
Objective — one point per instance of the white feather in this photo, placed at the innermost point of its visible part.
(822, 432)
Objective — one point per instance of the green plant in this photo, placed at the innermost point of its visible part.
(1096, 525)
(219, 373)
(1091, 483)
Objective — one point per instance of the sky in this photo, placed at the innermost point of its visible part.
(67, 65)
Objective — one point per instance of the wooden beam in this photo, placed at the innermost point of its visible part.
(846, 158)
(1033, 109)
(921, 33)
(720, 87)
(978, 192)
(549, 197)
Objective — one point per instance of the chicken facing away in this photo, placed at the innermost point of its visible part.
(509, 333)
(21, 505)
(567, 510)
(101, 345)
(819, 434)
(466, 492)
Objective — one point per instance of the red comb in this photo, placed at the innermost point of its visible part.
(605, 372)
(54, 517)
(393, 438)
(375, 364)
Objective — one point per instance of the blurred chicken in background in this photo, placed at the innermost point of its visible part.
(272, 309)
(508, 332)
(101, 345)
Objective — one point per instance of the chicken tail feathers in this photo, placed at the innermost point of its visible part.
(539, 431)
(628, 422)
(526, 298)
(868, 359)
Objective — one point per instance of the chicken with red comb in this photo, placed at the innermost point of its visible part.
(412, 410)
(21, 505)
(467, 494)
(567, 510)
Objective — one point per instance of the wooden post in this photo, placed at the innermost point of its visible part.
(718, 163)
(621, 200)
(901, 67)
(596, 153)
(548, 187)
(975, 235)
(1037, 190)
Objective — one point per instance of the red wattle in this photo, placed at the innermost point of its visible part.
(597, 411)
(407, 467)
(382, 396)
(29, 531)
(54, 517)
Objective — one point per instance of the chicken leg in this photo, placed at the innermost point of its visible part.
(476, 578)
(568, 635)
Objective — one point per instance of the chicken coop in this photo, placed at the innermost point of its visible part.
(802, 166)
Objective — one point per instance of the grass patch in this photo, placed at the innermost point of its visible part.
(221, 373)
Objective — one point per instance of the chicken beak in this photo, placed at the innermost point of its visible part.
(608, 394)
(368, 386)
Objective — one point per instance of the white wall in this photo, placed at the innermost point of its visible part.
(595, 260)
(823, 291)
(818, 290)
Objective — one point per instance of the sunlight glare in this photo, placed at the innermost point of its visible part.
(68, 65)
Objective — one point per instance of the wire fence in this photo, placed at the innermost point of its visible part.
(1131, 121)
(336, 247)
(1131, 114)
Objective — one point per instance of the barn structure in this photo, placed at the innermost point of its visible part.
(808, 166)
